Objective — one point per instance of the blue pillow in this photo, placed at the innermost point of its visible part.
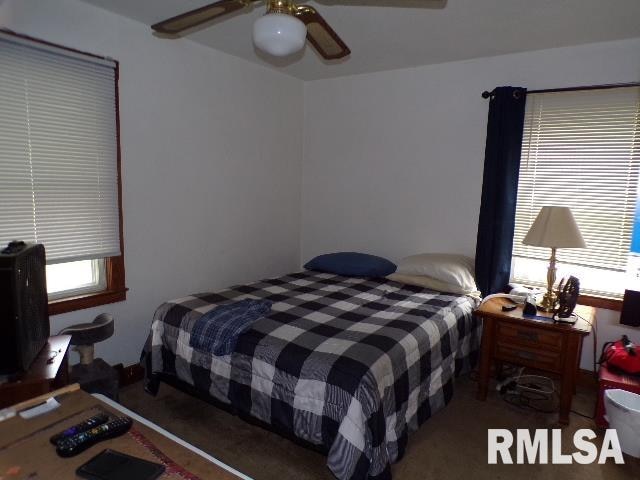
(352, 264)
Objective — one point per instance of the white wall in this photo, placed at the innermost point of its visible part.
(393, 160)
(212, 146)
(211, 153)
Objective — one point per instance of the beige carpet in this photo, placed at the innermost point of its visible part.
(451, 445)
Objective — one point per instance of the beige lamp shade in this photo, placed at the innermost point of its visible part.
(554, 227)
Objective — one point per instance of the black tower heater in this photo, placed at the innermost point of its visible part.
(24, 317)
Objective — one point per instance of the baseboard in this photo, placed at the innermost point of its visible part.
(129, 374)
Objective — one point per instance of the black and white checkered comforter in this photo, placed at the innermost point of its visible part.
(348, 364)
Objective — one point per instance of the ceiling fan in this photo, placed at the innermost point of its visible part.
(281, 32)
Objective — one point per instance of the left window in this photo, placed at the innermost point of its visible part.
(60, 182)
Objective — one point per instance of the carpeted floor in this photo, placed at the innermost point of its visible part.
(451, 445)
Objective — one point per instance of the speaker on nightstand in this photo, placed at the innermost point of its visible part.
(630, 314)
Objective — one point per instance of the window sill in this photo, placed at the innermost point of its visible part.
(588, 300)
(601, 302)
(65, 305)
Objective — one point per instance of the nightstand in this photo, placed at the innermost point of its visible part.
(534, 342)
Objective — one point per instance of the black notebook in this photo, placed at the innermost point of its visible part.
(112, 465)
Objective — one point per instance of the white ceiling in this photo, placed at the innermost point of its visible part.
(412, 32)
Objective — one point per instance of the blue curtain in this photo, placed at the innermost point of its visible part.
(499, 188)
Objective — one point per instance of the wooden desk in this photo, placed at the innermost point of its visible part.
(49, 371)
(24, 444)
(537, 343)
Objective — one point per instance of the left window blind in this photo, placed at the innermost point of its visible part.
(58, 151)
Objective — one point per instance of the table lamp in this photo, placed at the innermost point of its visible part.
(554, 227)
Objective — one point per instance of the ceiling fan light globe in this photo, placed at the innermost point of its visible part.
(279, 34)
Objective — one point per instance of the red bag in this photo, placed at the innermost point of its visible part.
(622, 355)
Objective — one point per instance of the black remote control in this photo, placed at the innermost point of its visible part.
(88, 424)
(80, 442)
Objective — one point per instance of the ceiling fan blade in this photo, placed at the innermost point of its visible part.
(200, 15)
(325, 40)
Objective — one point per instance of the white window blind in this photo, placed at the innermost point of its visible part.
(58, 151)
(581, 149)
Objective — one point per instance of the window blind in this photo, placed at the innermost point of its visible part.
(582, 150)
(58, 151)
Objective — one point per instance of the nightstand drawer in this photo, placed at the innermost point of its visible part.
(521, 335)
(529, 357)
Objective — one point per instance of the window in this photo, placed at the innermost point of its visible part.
(59, 157)
(581, 149)
(75, 278)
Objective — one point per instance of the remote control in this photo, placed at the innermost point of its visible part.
(88, 424)
(80, 442)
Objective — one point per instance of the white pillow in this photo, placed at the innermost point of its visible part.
(439, 271)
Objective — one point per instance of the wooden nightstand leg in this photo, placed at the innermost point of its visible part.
(485, 359)
(569, 377)
(575, 384)
(566, 396)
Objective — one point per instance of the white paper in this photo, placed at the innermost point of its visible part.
(48, 406)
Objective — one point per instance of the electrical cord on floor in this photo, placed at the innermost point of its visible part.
(527, 401)
(528, 395)
(523, 400)
(594, 327)
(528, 391)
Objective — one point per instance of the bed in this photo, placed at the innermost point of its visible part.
(348, 365)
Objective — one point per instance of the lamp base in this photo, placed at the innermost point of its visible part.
(550, 298)
(548, 303)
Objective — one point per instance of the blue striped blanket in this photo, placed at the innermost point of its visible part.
(217, 331)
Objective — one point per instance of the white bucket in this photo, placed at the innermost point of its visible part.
(623, 414)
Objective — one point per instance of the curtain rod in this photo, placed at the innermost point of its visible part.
(37, 44)
(487, 94)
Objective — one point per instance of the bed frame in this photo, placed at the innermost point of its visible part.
(152, 385)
